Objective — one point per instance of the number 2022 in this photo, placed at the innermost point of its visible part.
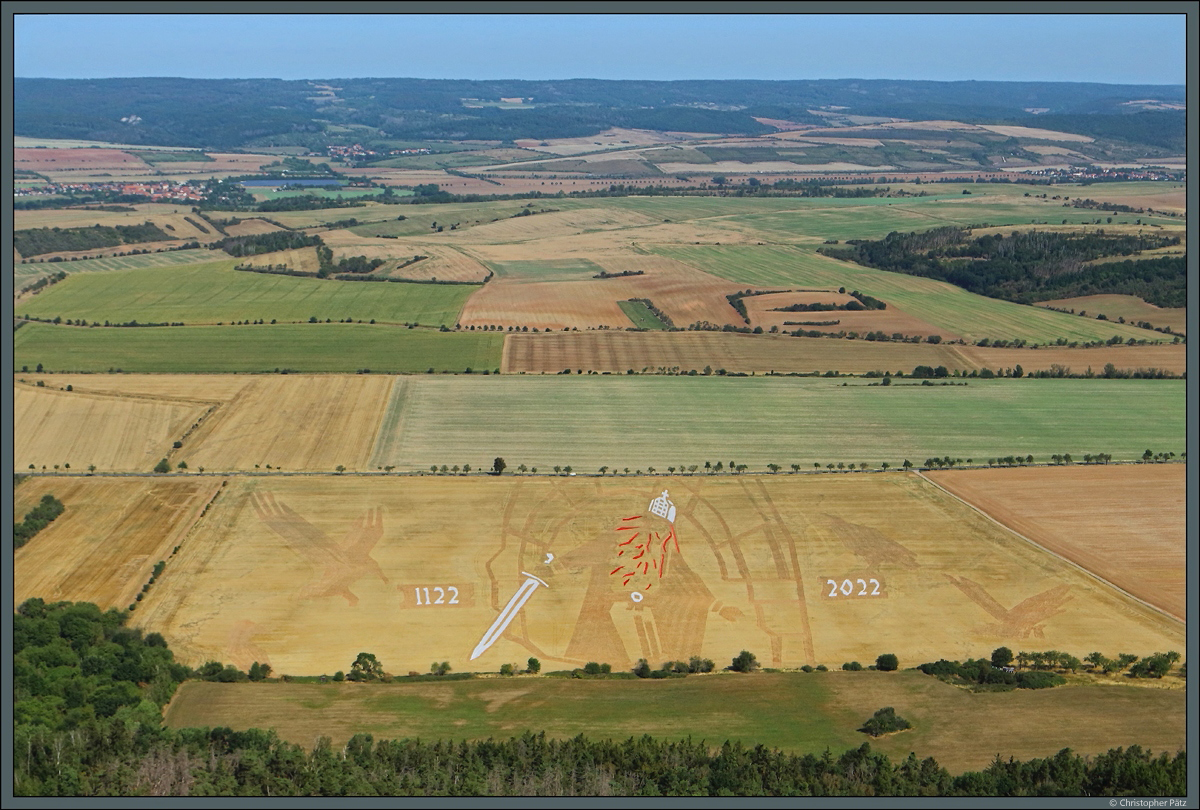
(440, 596)
(846, 588)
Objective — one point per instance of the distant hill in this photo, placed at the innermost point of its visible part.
(243, 113)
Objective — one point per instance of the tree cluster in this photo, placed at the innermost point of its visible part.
(36, 519)
(35, 241)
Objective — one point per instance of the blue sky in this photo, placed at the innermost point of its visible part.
(1118, 49)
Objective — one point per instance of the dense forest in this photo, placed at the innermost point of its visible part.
(235, 113)
(1030, 266)
(88, 693)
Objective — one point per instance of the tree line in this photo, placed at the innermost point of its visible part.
(35, 241)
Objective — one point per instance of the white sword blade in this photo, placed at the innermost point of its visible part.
(507, 615)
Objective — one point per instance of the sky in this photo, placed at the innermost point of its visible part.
(1116, 49)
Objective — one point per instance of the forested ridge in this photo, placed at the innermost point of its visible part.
(1029, 266)
(88, 694)
(235, 113)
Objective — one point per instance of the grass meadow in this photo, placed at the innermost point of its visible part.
(639, 422)
(640, 315)
(324, 347)
(27, 272)
(215, 292)
(802, 713)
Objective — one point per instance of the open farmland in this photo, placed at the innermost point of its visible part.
(574, 299)
(617, 352)
(305, 572)
(636, 422)
(949, 307)
(56, 427)
(793, 712)
(215, 292)
(324, 347)
(103, 548)
(250, 227)
(1129, 307)
(1124, 523)
(26, 273)
(292, 422)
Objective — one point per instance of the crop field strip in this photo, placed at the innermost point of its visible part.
(662, 421)
(214, 292)
(944, 305)
(28, 272)
(340, 557)
(1125, 524)
(793, 712)
(1129, 307)
(326, 347)
(617, 352)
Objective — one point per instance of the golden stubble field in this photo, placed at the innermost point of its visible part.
(1125, 523)
(53, 427)
(306, 572)
(103, 547)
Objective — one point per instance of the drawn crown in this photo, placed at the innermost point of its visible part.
(663, 507)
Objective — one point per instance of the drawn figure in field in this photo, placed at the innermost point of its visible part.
(1023, 620)
(341, 564)
(872, 545)
(641, 567)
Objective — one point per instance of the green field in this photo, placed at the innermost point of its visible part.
(27, 272)
(640, 315)
(937, 302)
(419, 218)
(326, 347)
(645, 421)
(546, 270)
(803, 713)
(214, 293)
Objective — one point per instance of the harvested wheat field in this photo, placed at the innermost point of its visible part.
(519, 298)
(103, 547)
(57, 160)
(1129, 307)
(293, 422)
(207, 388)
(1165, 356)
(304, 573)
(1125, 523)
(114, 433)
(763, 311)
(617, 352)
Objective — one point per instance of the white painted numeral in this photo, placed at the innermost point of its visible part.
(862, 582)
(866, 587)
(876, 591)
(832, 588)
(441, 596)
(454, 598)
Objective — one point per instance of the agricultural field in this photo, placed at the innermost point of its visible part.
(971, 316)
(306, 572)
(617, 352)
(326, 347)
(53, 427)
(792, 712)
(103, 547)
(214, 292)
(1129, 307)
(292, 422)
(1124, 523)
(661, 421)
(250, 227)
(27, 273)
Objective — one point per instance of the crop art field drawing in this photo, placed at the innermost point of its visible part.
(632, 434)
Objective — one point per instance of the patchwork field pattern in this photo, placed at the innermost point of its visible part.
(1125, 523)
(948, 307)
(1129, 307)
(103, 547)
(304, 573)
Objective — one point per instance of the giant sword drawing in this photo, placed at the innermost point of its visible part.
(509, 613)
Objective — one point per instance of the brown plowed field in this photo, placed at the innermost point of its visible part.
(53, 427)
(1129, 307)
(1125, 523)
(49, 160)
(619, 351)
(293, 422)
(686, 295)
(1169, 357)
(306, 572)
(103, 548)
(889, 321)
